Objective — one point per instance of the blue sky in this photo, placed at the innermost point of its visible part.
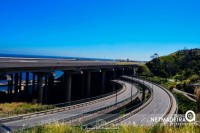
(133, 29)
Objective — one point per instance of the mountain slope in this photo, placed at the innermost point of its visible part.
(182, 64)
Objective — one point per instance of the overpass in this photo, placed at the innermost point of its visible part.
(89, 78)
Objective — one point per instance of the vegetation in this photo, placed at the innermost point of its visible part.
(15, 108)
(177, 70)
(144, 70)
(181, 65)
(184, 103)
(61, 128)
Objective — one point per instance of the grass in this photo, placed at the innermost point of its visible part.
(61, 128)
(15, 108)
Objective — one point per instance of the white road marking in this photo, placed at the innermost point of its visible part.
(28, 61)
(142, 119)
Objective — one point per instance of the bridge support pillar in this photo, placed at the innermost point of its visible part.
(134, 71)
(50, 87)
(8, 90)
(67, 88)
(27, 81)
(45, 90)
(83, 85)
(103, 82)
(16, 82)
(40, 88)
(20, 82)
(122, 71)
(10, 85)
(33, 85)
(16, 86)
(88, 84)
(114, 74)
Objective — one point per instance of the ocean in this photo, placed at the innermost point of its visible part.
(52, 57)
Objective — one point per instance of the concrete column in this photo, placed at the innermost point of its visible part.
(16, 83)
(51, 81)
(88, 84)
(83, 85)
(33, 85)
(16, 86)
(27, 81)
(40, 88)
(122, 71)
(114, 74)
(8, 90)
(11, 84)
(134, 71)
(103, 82)
(50, 87)
(20, 82)
(46, 90)
(68, 85)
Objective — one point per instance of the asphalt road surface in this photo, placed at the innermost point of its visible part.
(66, 114)
(156, 109)
(24, 62)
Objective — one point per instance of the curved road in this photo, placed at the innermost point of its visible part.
(67, 114)
(157, 108)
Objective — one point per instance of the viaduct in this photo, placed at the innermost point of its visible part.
(80, 79)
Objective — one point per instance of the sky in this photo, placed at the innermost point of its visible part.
(114, 29)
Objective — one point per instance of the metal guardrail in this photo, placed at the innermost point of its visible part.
(65, 108)
(120, 104)
(171, 99)
(143, 105)
(170, 96)
(93, 112)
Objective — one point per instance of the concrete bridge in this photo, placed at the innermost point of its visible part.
(81, 79)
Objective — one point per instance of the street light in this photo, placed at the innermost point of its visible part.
(132, 89)
(115, 91)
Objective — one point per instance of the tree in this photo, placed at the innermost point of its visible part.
(155, 56)
(144, 70)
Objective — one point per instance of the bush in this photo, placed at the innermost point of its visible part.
(194, 78)
(184, 104)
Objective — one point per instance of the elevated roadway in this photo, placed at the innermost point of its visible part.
(25, 64)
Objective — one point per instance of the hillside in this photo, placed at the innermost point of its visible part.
(181, 65)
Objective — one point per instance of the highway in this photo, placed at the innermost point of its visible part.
(23, 64)
(20, 62)
(157, 108)
(67, 114)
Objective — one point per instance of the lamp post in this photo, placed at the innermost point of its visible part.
(132, 88)
(115, 92)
